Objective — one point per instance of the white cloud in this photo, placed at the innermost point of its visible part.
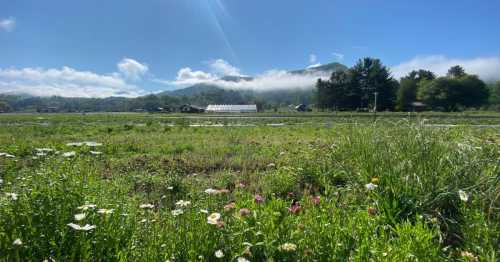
(276, 80)
(270, 80)
(66, 82)
(222, 67)
(313, 59)
(132, 69)
(338, 56)
(186, 76)
(487, 68)
(313, 66)
(8, 24)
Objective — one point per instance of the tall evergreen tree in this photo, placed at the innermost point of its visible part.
(369, 75)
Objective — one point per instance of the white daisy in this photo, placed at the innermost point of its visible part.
(177, 212)
(69, 154)
(463, 195)
(7, 155)
(80, 216)
(219, 254)
(87, 206)
(371, 186)
(44, 149)
(214, 218)
(146, 206)
(87, 227)
(211, 191)
(92, 144)
(17, 242)
(105, 211)
(75, 144)
(183, 203)
(13, 196)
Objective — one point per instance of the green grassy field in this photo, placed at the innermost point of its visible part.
(311, 187)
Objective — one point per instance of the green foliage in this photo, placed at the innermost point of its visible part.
(494, 99)
(5, 107)
(281, 182)
(407, 92)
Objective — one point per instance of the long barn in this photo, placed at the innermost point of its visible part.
(231, 109)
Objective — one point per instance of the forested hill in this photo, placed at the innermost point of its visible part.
(200, 94)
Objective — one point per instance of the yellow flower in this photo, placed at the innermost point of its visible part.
(288, 247)
(375, 180)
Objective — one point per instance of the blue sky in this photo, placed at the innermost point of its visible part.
(101, 48)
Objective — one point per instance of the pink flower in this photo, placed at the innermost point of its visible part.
(220, 224)
(223, 191)
(244, 212)
(295, 208)
(372, 211)
(258, 199)
(290, 195)
(316, 200)
(229, 206)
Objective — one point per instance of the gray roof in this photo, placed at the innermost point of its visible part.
(232, 108)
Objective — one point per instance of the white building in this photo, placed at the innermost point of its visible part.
(231, 109)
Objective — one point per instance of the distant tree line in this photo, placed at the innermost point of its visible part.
(154, 103)
(355, 89)
(347, 89)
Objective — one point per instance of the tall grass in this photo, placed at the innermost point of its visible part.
(381, 192)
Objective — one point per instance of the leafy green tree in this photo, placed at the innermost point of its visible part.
(452, 93)
(456, 72)
(473, 92)
(407, 92)
(438, 93)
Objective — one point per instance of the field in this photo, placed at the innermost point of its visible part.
(312, 187)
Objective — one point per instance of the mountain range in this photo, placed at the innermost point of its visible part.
(213, 86)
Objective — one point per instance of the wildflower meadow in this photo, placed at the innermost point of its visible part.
(142, 188)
